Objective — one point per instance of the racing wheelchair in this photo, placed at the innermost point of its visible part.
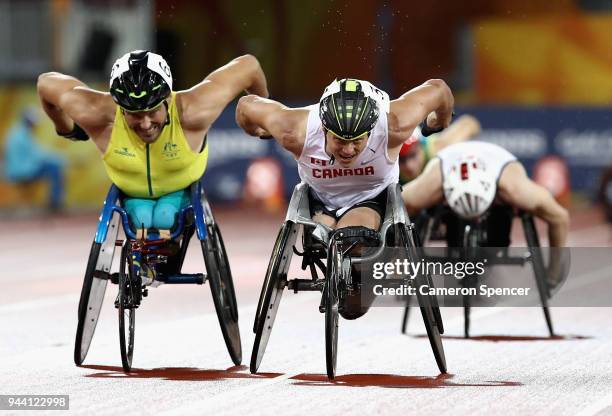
(334, 277)
(164, 257)
(492, 229)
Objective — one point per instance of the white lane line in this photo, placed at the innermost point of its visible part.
(602, 404)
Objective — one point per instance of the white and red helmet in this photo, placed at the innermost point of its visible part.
(468, 187)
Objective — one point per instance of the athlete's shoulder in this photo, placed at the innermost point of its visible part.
(89, 107)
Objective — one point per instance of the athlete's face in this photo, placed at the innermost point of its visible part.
(148, 125)
(412, 164)
(345, 151)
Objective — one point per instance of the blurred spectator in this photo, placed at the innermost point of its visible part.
(26, 161)
(263, 186)
(552, 173)
(605, 192)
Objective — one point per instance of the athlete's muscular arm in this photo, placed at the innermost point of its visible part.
(426, 190)
(263, 117)
(51, 86)
(432, 99)
(66, 100)
(517, 189)
(462, 129)
(202, 104)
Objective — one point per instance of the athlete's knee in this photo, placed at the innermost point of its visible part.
(360, 216)
(141, 217)
(164, 216)
(140, 212)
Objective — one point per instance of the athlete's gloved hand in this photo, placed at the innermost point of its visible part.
(427, 131)
(77, 134)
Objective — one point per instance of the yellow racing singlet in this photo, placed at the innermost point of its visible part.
(152, 170)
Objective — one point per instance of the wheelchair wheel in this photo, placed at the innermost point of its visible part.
(426, 304)
(466, 316)
(538, 268)
(406, 314)
(332, 302)
(92, 293)
(471, 243)
(226, 271)
(221, 255)
(222, 289)
(129, 293)
(272, 291)
(434, 300)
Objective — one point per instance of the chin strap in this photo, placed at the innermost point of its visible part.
(332, 158)
(167, 114)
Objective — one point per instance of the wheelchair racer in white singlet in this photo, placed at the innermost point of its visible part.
(475, 178)
(347, 146)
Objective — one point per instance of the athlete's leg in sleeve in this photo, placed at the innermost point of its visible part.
(140, 212)
(167, 209)
(357, 304)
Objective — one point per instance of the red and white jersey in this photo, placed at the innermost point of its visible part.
(340, 188)
(493, 157)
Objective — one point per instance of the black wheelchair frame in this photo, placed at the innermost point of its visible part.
(336, 272)
(472, 238)
(196, 218)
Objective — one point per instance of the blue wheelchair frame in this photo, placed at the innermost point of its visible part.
(98, 272)
(110, 207)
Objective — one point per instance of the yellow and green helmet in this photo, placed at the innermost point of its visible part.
(346, 110)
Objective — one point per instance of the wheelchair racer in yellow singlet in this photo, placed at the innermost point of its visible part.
(152, 139)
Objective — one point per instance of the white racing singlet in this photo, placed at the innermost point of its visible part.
(340, 188)
(493, 156)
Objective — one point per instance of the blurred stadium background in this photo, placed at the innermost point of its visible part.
(536, 73)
